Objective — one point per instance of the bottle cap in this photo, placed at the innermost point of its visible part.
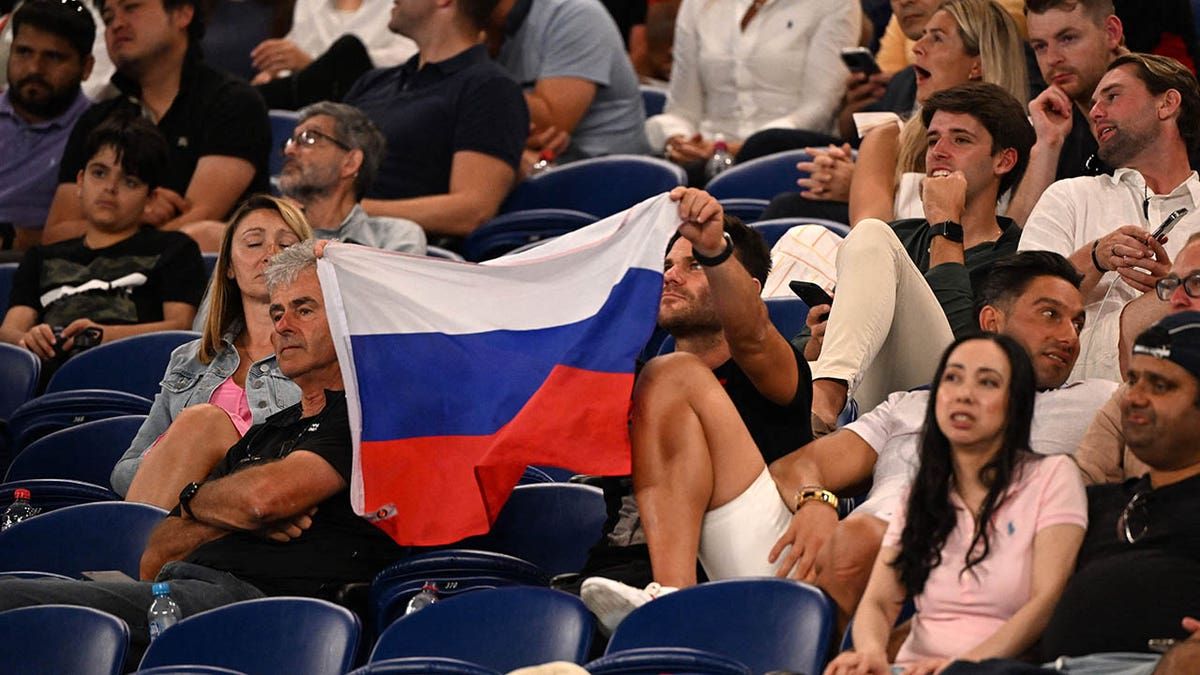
(21, 493)
(161, 588)
(547, 155)
(720, 145)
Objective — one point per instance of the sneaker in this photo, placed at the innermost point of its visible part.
(612, 601)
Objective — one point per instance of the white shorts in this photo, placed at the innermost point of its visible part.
(736, 538)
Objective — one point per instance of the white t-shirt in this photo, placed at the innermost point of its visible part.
(893, 430)
(1075, 212)
(316, 24)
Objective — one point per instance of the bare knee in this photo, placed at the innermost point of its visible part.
(201, 418)
(847, 559)
(672, 376)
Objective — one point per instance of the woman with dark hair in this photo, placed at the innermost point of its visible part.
(217, 386)
(990, 530)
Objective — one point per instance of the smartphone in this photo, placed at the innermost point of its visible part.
(860, 60)
(1163, 230)
(811, 294)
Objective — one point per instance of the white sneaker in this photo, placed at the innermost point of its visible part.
(612, 601)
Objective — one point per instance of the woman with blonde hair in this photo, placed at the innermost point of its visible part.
(964, 40)
(217, 386)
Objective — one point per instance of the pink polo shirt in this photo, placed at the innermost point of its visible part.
(957, 612)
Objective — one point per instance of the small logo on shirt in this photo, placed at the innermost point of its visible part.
(182, 142)
(1011, 529)
(317, 425)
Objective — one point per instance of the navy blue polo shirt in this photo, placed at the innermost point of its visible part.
(427, 114)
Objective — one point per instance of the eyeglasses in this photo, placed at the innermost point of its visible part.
(1166, 286)
(309, 137)
(1135, 518)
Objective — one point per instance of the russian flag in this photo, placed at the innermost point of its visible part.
(459, 375)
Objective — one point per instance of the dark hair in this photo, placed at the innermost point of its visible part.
(931, 517)
(68, 19)
(478, 12)
(138, 144)
(1001, 114)
(749, 247)
(195, 28)
(1096, 10)
(352, 127)
(1160, 73)
(1010, 276)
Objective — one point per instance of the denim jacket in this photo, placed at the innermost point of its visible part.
(188, 382)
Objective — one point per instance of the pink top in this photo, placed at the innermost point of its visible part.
(956, 613)
(232, 399)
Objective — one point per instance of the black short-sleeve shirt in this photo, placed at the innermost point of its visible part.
(213, 114)
(125, 283)
(464, 103)
(338, 549)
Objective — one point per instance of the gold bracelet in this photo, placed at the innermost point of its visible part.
(815, 493)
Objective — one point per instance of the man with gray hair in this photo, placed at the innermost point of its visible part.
(274, 517)
(331, 160)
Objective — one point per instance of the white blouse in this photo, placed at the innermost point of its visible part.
(784, 71)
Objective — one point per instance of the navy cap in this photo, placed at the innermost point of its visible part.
(1175, 338)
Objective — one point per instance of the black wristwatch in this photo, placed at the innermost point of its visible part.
(185, 498)
(948, 229)
(717, 259)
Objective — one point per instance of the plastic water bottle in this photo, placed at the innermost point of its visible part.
(427, 596)
(545, 163)
(19, 510)
(163, 613)
(721, 159)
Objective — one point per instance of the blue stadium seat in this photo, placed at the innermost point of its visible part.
(87, 452)
(503, 628)
(19, 372)
(51, 494)
(552, 525)
(7, 270)
(767, 624)
(63, 639)
(455, 571)
(772, 230)
(509, 231)
(210, 263)
(283, 125)
(133, 365)
(423, 665)
(268, 636)
(188, 670)
(761, 178)
(601, 186)
(656, 660)
(50, 412)
(747, 209)
(104, 536)
(654, 99)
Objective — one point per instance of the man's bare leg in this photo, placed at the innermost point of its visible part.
(194, 443)
(844, 563)
(691, 454)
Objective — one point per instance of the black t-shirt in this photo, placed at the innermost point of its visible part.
(213, 114)
(338, 549)
(1123, 594)
(464, 103)
(122, 284)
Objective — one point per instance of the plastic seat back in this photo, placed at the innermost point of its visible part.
(268, 636)
(510, 231)
(19, 372)
(423, 665)
(103, 536)
(7, 270)
(654, 99)
(747, 209)
(552, 525)
(48, 413)
(767, 624)
(63, 639)
(656, 660)
(503, 628)
(760, 178)
(455, 571)
(134, 364)
(600, 186)
(87, 452)
(283, 125)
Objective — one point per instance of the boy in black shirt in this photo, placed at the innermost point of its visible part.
(116, 278)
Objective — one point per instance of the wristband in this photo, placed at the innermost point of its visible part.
(717, 259)
(815, 493)
(185, 498)
(1095, 260)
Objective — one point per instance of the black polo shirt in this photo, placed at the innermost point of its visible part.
(213, 114)
(339, 548)
(427, 114)
(1123, 594)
